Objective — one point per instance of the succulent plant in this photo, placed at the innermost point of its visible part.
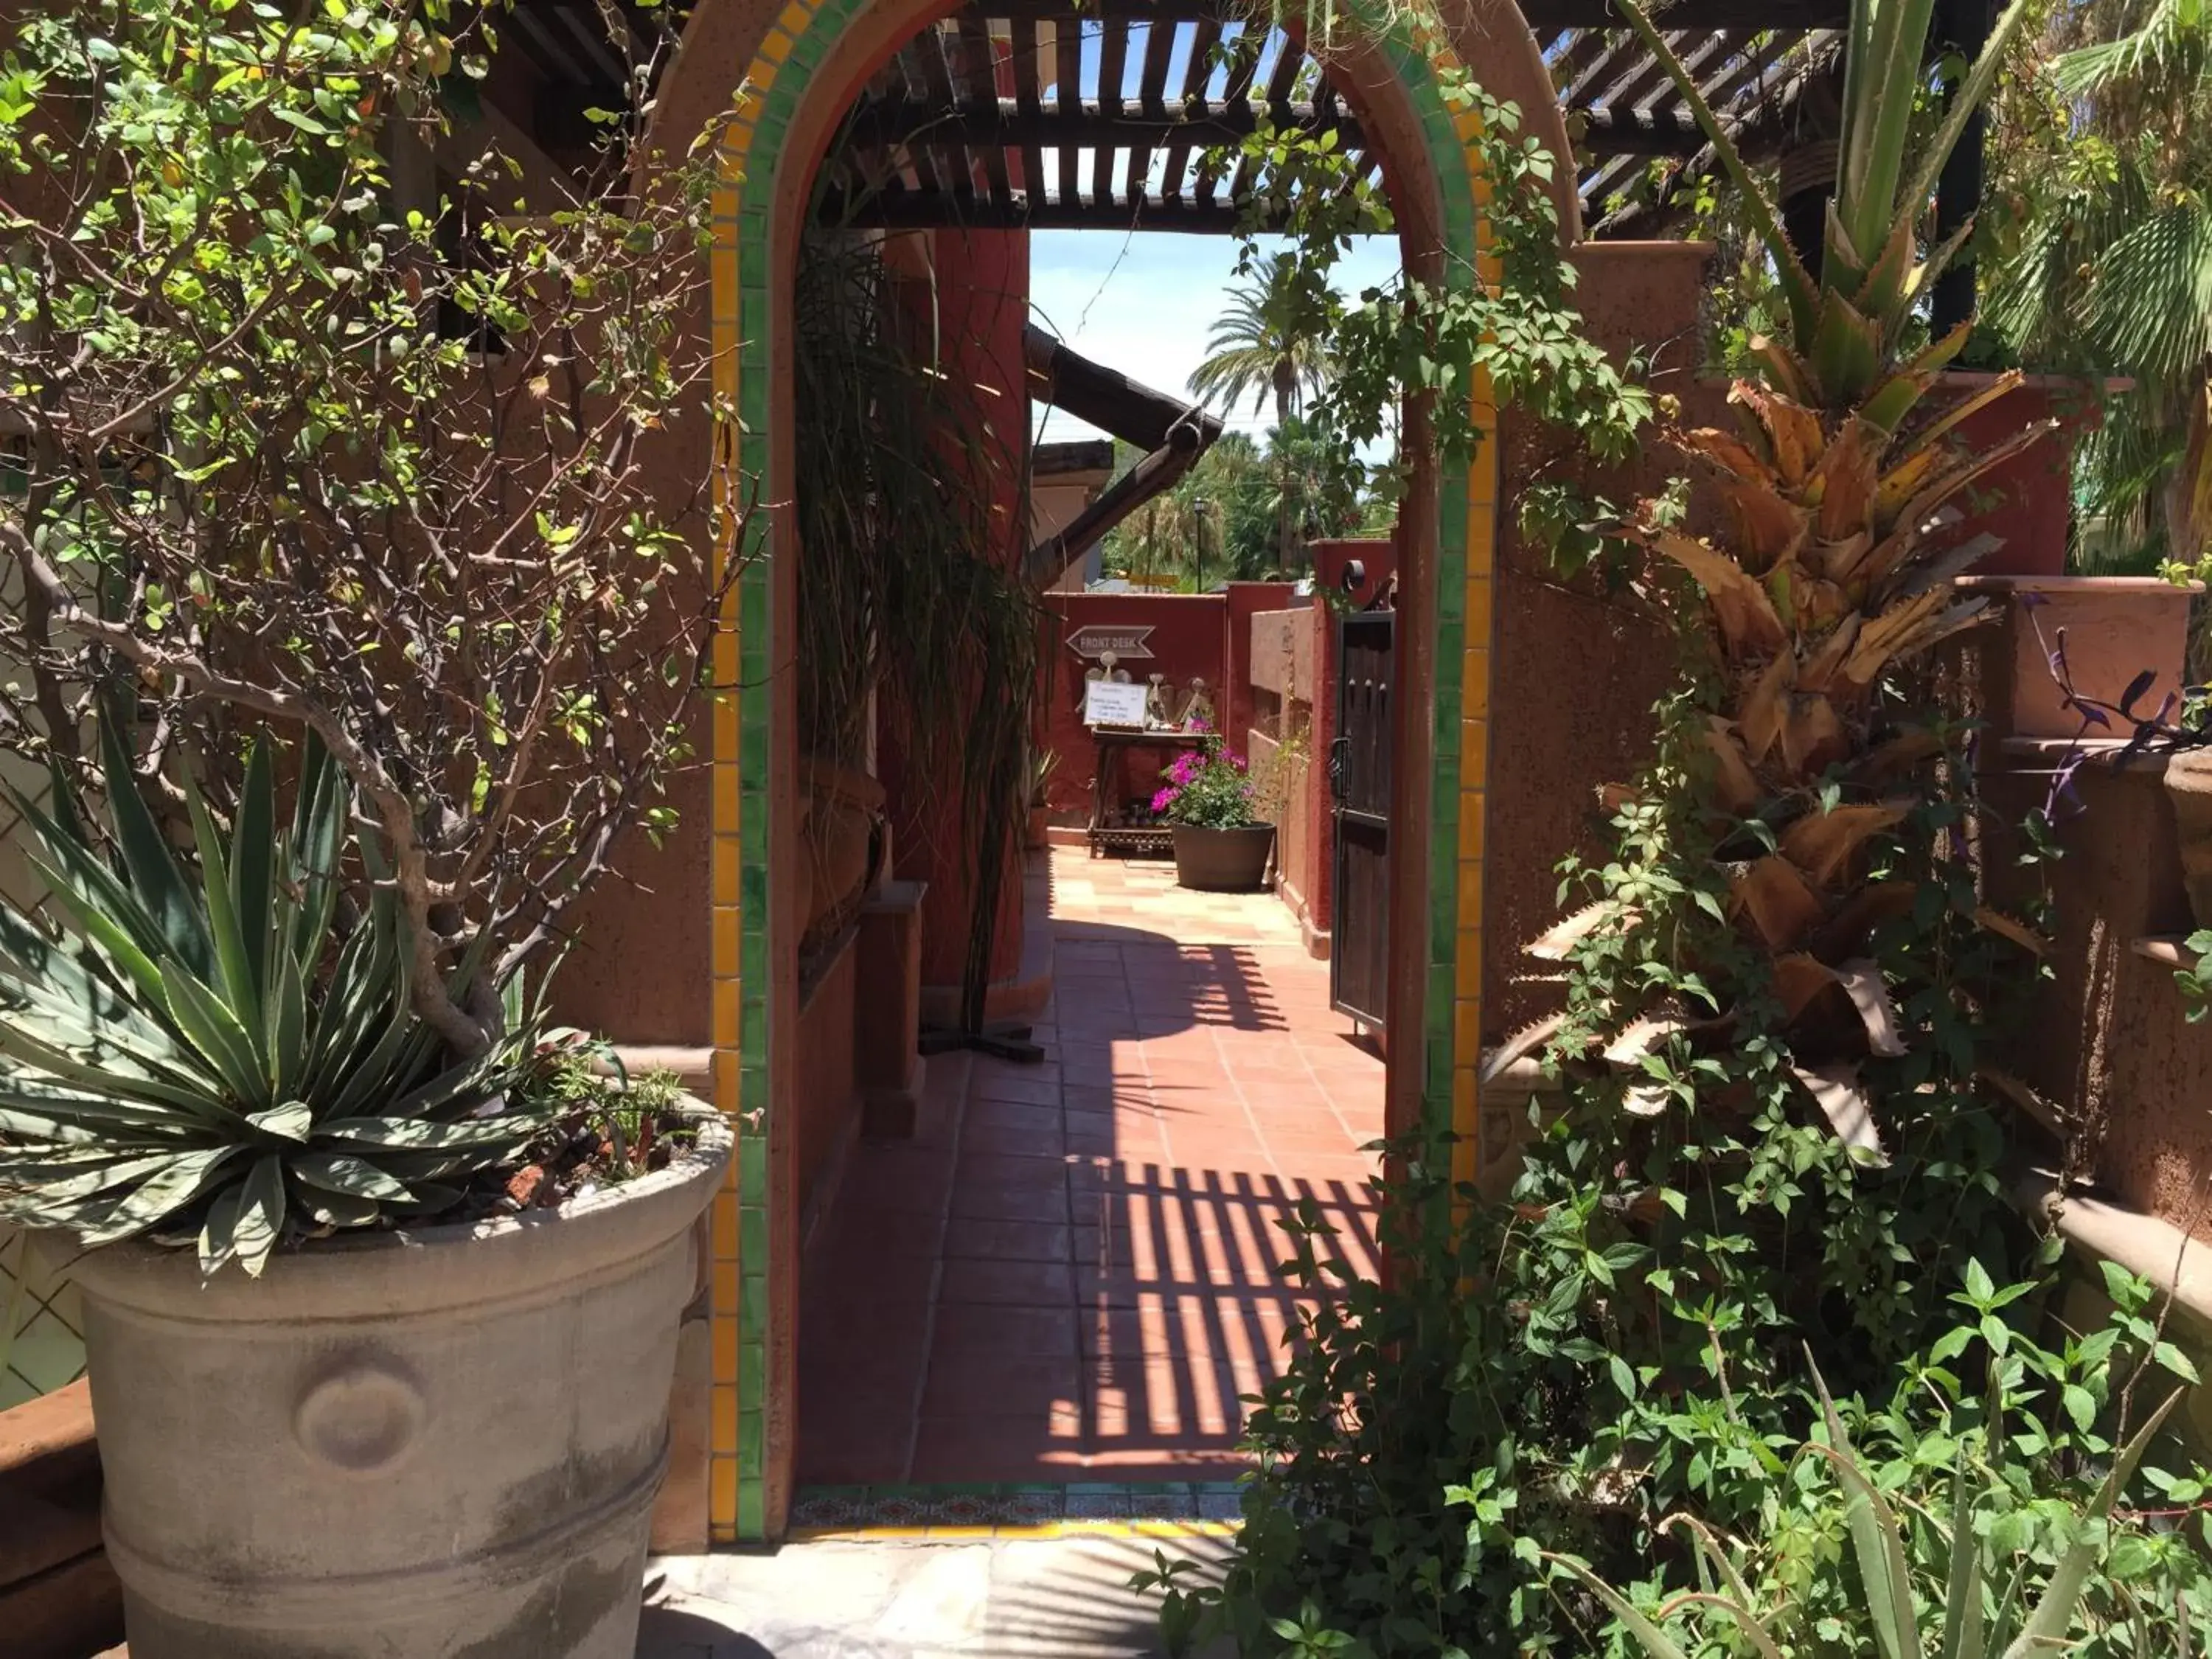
(208, 1046)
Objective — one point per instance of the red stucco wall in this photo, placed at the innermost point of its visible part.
(1578, 666)
(1188, 640)
(972, 297)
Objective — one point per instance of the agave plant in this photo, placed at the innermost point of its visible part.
(1831, 571)
(202, 1049)
(1982, 1613)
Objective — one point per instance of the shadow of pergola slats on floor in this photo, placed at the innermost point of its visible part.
(1069, 1274)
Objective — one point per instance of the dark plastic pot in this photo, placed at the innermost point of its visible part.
(1223, 860)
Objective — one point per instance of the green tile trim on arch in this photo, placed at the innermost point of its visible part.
(744, 329)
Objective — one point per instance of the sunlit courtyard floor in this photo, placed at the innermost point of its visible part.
(1069, 1274)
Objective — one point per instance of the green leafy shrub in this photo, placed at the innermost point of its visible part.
(1991, 1576)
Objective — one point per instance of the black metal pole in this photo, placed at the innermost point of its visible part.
(1961, 26)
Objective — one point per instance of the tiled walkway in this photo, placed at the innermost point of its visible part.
(1067, 1275)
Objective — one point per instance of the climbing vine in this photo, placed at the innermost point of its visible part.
(1431, 342)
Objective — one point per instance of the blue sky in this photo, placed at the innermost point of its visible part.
(1145, 303)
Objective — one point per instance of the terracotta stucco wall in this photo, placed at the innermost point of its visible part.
(1579, 668)
(1233, 698)
(825, 1093)
(1187, 640)
(1292, 674)
(2108, 1035)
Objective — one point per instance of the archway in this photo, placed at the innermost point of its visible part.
(804, 69)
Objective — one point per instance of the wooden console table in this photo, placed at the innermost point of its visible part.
(1114, 742)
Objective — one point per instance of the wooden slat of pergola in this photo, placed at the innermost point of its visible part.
(988, 102)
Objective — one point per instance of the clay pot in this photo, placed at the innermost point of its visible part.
(2026, 502)
(1037, 836)
(838, 827)
(2189, 787)
(1223, 860)
(442, 1440)
(2115, 626)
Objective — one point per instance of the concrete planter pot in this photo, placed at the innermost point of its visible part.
(1223, 860)
(422, 1445)
(2189, 787)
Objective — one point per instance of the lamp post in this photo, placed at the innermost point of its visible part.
(1198, 541)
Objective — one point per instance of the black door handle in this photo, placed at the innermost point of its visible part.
(1339, 750)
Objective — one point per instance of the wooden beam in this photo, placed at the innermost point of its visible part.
(1691, 15)
(1002, 123)
(1029, 97)
(1067, 48)
(920, 210)
(979, 72)
(1152, 94)
(1542, 15)
(1610, 132)
(1196, 73)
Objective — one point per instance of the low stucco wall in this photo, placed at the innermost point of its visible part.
(1292, 690)
(2108, 1036)
(827, 1096)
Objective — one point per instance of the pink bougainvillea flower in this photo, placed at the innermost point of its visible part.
(1164, 799)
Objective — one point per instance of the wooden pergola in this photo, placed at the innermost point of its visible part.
(1109, 114)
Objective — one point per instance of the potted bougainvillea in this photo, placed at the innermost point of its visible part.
(1209, 799)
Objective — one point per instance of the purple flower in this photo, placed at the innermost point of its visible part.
(1164, 799)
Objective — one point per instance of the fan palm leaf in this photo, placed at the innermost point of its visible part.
(1258, 350)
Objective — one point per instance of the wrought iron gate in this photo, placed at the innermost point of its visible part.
(1359, 785)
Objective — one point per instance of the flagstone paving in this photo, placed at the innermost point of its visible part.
(1065, 1599)
(1067, 1275)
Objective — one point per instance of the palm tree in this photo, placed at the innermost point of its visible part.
(1271, 338)
(2108, 264)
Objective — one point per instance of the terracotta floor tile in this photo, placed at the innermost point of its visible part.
(1103, 1288)
(1008, 1241)
(1017, 1283)
(990, 1382)
(949, 1449)
(1012, 1331)
(1019, 1089)
(1011, 1201)
(994, 1169)
(852, 1455)
(1042, 1138)
(1164, 1404)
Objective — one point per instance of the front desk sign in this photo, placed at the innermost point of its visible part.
(1110, 702)
(1097, 642)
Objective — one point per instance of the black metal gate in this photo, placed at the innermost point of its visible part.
(1359, 784)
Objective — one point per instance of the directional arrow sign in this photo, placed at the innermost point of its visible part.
(1128, 644)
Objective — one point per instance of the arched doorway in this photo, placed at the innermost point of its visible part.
(803, 68)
